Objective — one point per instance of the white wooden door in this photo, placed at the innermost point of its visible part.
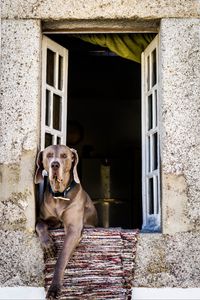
(54, 93)
(150, 138)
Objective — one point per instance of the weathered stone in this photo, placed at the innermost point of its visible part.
(100, 9)
(21, 259)
(21, 256)
(168, 260)
(17, 199)
(162, 260)
(180, 127)
(20, 74)
(175, 204)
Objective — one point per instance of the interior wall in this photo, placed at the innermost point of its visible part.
(104, 99)
(109, 129)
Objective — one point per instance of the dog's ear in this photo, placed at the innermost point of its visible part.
(38, 173)
(75, 162)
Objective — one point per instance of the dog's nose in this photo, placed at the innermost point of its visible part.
(55, 165)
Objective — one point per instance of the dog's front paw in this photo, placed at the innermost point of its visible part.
(48, 247)
(54, 292)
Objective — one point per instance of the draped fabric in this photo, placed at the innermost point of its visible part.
(129, 45)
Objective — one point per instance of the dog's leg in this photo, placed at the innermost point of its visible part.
(45, 239)
(73, 234)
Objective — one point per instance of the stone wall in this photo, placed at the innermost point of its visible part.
(100, 9)
(180, 114)
(21, 257)
(172, 258)
(159, 256)
(168, 260)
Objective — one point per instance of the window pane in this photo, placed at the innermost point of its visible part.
(150, 116)
(60, 73)
(58, 140)
(50, 67)
(158, 188)
(56, 112)
(156, 110)
(155, 151)
(48, 139)
(47, 113)
(154, 71)
(148, 154)
(148, 73)
(150, 196)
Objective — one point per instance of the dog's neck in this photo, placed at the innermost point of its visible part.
(64, 193)
(71, 184)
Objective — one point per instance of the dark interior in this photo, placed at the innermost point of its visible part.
(104, 125)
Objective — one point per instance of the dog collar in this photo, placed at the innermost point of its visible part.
(64, 193)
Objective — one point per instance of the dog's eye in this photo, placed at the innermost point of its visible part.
(63, 155)
(49, 155)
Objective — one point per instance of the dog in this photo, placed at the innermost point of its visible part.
(64, 203)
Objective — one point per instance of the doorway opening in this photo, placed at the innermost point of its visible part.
(104, 126)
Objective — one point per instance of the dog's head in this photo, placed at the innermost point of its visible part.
(58, 161)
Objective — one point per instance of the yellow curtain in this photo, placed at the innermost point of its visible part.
(129, 46)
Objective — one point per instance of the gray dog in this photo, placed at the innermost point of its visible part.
(65, 203)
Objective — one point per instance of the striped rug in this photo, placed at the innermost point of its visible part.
(102, 266)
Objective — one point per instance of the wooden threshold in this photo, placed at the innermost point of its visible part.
(100, 26)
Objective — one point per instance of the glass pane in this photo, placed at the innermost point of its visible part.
(58, 140)
(60, 72)
(47, 113)
(155, 151)
(48, 139)
(149, 154)
(56, 112)
(154, 71)
(148, 73)
(50, 67)
(150, 116)
(150, 196)
(156, 110)
(157, 207)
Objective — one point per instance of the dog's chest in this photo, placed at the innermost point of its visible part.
(55, 207)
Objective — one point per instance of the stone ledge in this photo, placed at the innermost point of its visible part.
(38, 293)
(165, 294)
(22, 293)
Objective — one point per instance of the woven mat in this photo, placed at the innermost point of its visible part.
(102, 266)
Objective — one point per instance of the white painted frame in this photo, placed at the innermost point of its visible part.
(151, 207)
(63, 52)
